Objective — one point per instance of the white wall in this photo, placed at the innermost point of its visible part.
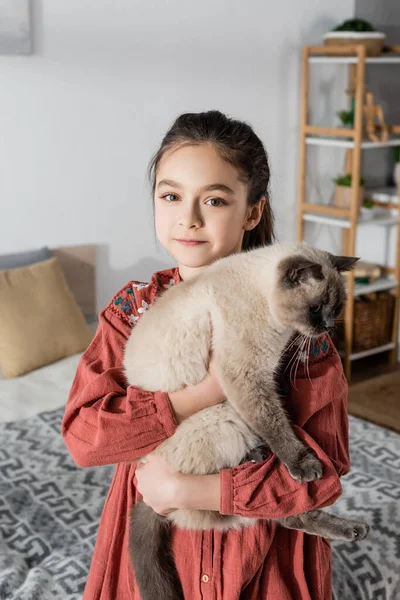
(81, 117)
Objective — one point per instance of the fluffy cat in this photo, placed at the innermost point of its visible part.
(278, 291)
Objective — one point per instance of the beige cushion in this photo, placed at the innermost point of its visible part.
(40, 321)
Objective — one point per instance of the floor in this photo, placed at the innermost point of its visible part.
(374, 392)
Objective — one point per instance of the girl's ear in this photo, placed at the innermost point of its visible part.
(254, 214)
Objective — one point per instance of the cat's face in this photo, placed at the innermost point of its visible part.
(310, 293)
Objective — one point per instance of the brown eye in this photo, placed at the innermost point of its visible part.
(316, 308)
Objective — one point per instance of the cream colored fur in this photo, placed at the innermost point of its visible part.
(232, 307)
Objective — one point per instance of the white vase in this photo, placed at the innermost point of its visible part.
(396, 174)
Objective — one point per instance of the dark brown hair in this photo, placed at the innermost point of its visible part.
(239, 146)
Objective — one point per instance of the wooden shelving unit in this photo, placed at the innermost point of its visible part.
(348, 219)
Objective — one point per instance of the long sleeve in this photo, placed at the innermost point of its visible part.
(106, 422)
(317, 407)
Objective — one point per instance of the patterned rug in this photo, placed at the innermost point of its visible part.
(50, 510)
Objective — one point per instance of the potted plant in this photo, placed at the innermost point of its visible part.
(347, 118)
(367, 209)
(342, 196)
(396, 170)
(357, 31)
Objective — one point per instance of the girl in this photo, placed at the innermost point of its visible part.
(210, 188)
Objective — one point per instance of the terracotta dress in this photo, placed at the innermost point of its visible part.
(106, 422)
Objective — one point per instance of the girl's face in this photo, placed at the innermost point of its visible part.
(201, 198)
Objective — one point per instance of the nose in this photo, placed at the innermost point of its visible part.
(328, 323)
(191, 217)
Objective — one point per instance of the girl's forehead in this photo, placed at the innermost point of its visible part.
(197, 165)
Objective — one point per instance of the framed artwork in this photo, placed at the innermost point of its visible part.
(15, 27)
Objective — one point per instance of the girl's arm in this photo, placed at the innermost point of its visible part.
(318, 408)
(106, 422)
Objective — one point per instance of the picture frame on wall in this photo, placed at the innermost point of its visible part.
(15, 27)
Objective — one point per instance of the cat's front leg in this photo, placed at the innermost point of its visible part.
(261, 409)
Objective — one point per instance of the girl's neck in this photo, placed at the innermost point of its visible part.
(186, 273)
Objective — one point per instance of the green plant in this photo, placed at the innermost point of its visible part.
(346, 116)
(346, 180)
(396, 154)
(355, 25)
(368, 203)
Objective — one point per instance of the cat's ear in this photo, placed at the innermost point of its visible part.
(343, 263)
(298, 270)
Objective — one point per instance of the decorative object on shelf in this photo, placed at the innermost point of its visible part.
(343, 191)
(373, 318)
(372, 323)
(374, 112)
(386, 197)
(366, 273)
(357, 31)
(396, 169)
(368, 210)
(346, 117)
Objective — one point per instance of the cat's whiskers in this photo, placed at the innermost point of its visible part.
(308, 360)
(299, 335)
(279, 359)
(294, 355)
(301, 354)
(295, 364)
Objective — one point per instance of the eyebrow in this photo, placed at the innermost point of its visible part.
(207, 188)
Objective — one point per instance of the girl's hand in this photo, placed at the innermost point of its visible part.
(158, 484)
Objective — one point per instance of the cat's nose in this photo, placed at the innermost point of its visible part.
(328, 323)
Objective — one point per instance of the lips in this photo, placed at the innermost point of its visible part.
(190, 242)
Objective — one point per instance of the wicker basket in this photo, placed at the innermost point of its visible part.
(373, 41)
(373, 320)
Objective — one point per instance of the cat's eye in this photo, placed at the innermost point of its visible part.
(316, 308)
(337, 310)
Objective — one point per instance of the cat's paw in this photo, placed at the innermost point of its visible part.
(306, 468)
(356, 531)
(257, 455)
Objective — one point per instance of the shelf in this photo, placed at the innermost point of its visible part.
(325, 220)
(351, 60)
(380, 220)
(319, 140)
(354, 140)
(384, 195)
(346, 223)
(379, 285)
(377, 350)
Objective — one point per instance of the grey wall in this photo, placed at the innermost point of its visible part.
(384, 14)
(383, 81)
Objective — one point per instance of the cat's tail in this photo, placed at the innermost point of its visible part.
(151, 555)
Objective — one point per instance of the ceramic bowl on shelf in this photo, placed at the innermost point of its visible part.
(373, 41)
(366, 214)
